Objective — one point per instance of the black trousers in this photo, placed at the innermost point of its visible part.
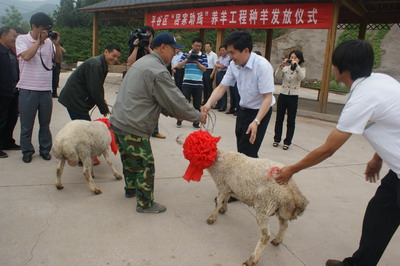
(221, 104)
(207, 82)
(244, 118)
(56, 77)
(234, 98)
(178, 77)
(381, 219)
(8, 120)
(195, 92)
(286, 103)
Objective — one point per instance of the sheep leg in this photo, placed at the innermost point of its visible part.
(283, 225)
(262, 221)
(222, 200)
(87, 171)
(60, 169)
(109, 162)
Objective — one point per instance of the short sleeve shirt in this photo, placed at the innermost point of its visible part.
(33, 76)
(253, 80)
(373, 110)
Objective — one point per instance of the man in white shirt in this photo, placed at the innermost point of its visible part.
(207, 79)
(372, 110)
(178, 72)
(255, 82)
(35, 51)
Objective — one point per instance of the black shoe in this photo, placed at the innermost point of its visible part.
(196, 125)
(3, 154)
(130, 192)
(235, 114)
(334, 263)
(46, 156)
(221, 110)
(230, 112)
(178, 124)
(13, 147)
(27, 157)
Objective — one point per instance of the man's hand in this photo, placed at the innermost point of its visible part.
(204, 119)
(373, 168)
(253, 129)
(284, 175)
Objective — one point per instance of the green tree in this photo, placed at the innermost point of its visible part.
(13, 18)
(67, 14)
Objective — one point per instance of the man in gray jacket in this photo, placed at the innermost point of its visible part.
(146, 91)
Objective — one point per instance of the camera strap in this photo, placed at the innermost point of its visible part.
(41, 59)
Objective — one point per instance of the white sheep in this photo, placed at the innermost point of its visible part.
(237, 175)
(82, 140)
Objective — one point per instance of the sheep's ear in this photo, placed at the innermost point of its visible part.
(180, 139)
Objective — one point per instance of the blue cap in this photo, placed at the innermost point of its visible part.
(165, 38)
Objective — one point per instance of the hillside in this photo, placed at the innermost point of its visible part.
(312, 43)
(28, 8)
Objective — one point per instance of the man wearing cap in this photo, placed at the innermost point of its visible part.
(146, 91)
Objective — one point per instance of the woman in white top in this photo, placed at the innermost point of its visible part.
(292, 74)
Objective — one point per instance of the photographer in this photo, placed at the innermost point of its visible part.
(139, 46)
(195, 63)
(292, 75)
(35, 51)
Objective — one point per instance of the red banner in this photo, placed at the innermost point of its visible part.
(304, 16)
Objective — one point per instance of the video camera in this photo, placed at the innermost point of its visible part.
(51, 34)
(144, 39)
(292, 67)
(194, 55)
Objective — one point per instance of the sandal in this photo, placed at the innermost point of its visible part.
(285, 147)
(275, 144)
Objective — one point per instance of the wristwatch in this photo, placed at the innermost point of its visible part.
(257, 122)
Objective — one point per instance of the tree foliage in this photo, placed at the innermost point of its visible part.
(67, 14)
(13, 17)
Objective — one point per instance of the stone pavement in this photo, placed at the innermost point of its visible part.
(41, 225)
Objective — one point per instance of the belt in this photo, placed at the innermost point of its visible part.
(247, 109)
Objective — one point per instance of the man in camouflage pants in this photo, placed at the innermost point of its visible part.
(146, 91)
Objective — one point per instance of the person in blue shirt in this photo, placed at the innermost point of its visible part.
(194, 63)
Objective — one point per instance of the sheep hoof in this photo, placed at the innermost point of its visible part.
(248, 263)
(276, 242)
(97, 191)
(222, 210)
(210, 220)
(59, 187)
(118, 177)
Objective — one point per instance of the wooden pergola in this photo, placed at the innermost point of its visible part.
(367, 14)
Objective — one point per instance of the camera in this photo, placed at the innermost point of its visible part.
(194, 55)
(293, 66)
(51, 34)
(144, 39)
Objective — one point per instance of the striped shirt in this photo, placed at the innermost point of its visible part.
(193, 74)
(33, 76)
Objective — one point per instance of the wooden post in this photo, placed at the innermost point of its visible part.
(95, 36)
(362, 31)
(201, 36)
(326, 74)
(219, 41)
(268, 44)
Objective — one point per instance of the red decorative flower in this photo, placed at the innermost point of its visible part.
(113, 145)
(200, 148)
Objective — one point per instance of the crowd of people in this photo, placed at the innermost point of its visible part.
(27, 62)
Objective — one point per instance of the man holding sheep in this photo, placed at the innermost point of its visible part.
(146, 91)
(373, 111)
